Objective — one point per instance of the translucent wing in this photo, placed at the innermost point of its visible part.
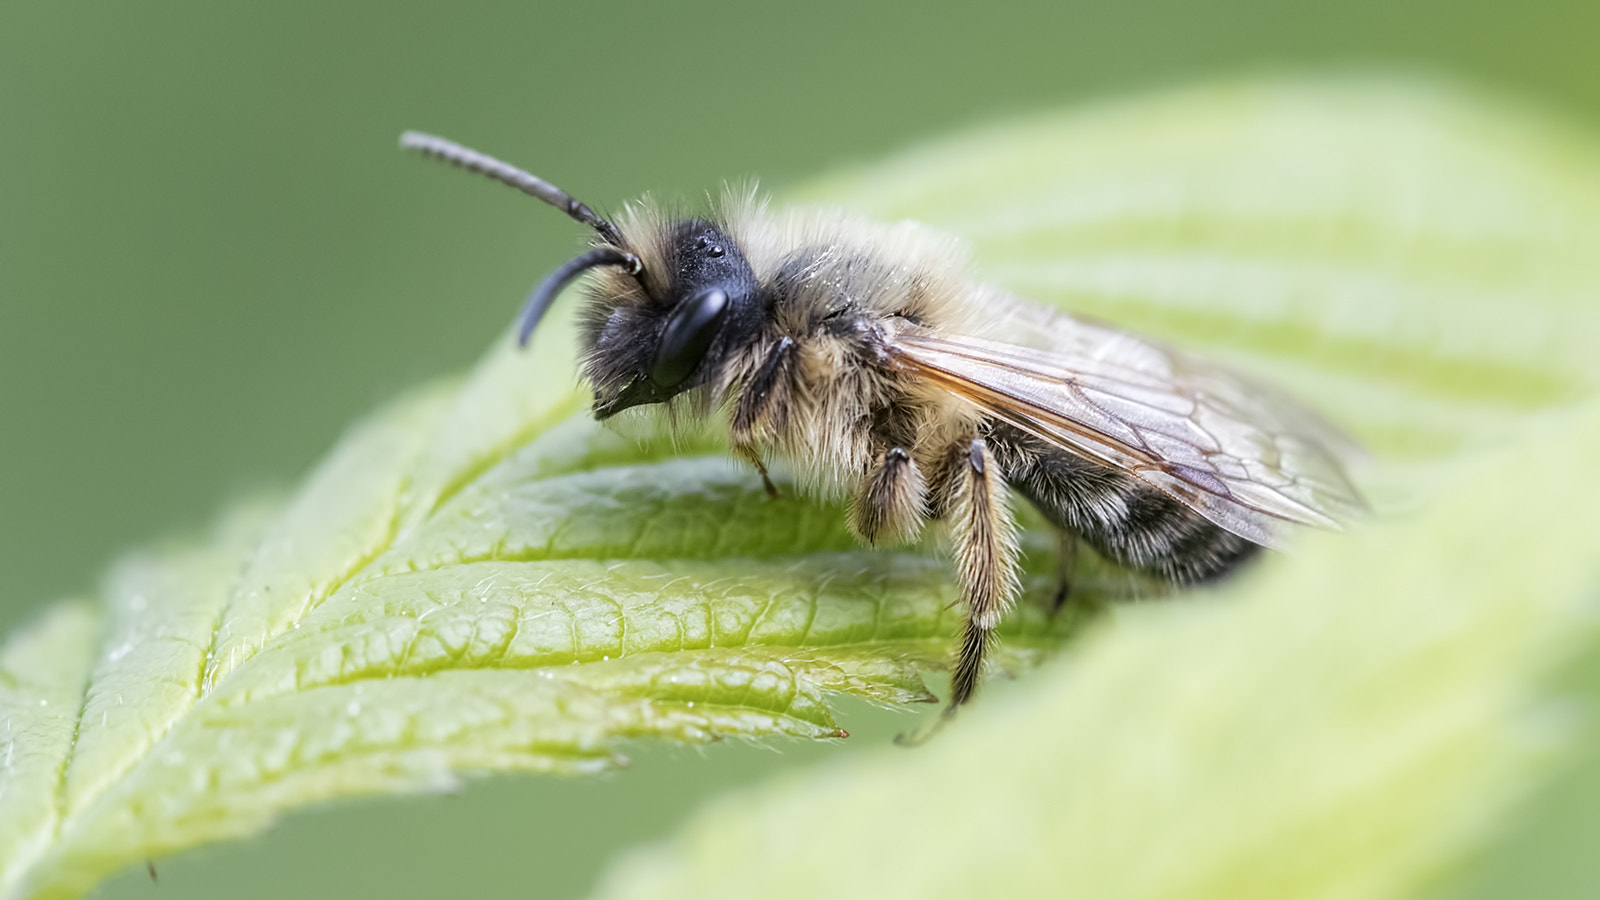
(1237, 453)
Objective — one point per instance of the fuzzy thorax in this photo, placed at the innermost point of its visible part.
(836, 288)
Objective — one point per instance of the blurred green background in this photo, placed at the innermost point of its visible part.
(212, 259)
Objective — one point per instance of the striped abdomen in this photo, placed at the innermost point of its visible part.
(1123, 519)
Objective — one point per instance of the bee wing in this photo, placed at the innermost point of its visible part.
(1239, 454)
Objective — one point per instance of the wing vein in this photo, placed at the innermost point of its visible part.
(1236, 453)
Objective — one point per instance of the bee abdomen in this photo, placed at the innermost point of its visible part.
(1124, 520)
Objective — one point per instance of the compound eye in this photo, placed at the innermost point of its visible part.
(688, 335)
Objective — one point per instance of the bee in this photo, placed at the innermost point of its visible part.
(865, 356)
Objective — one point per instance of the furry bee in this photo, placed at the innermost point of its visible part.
(864, 355)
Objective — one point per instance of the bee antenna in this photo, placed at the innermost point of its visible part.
(467, 158)
(546, 292)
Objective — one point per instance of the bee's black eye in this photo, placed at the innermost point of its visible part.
(690, 330)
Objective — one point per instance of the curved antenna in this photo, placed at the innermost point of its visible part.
(505, 173)
(546, 292)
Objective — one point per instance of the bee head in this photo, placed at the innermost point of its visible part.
(678, 327)
(648, 335)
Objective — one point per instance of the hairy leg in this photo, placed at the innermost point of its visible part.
(984, 538)
(888, 507)
(1066, 564)
(751, 455)
(764, 404)
(764, 407)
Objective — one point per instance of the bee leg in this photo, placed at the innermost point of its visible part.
(751, 455)
(984, 538)
(888, 507)
(764, 404)
(766, 399)
(1066, 564)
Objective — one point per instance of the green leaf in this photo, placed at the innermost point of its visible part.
(479, 579)
(1341, 727)
(474, 580)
